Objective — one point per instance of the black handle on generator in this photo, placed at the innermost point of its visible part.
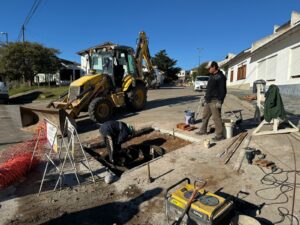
(176, 184)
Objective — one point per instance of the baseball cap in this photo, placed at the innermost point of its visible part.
(212, 64)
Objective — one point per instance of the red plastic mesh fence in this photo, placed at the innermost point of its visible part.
(16, 159)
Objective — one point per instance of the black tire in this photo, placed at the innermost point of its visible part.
(137, 97)
(100, 110)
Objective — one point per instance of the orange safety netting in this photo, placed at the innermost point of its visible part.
(16, 159)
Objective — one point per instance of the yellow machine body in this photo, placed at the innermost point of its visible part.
(207, 208)
(116, 79)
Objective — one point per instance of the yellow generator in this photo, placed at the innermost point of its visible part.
(190, 205)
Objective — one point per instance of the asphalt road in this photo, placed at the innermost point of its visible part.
(10, 124)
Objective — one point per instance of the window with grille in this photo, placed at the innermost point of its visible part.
(295, 65)
(241, 72)
(231, 76)
(271, 68)
(261, 72)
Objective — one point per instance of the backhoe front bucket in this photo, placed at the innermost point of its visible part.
(31, 117)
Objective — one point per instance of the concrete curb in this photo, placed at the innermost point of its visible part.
(178, 134)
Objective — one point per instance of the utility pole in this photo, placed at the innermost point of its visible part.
(6, 34)
(23, 33)
(199, 53)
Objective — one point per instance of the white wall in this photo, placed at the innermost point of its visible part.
(42, 77)
(282, 51)
(84, 63)
(182, 73)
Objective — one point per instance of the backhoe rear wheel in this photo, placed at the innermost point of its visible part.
(137, 97)
(100, 109)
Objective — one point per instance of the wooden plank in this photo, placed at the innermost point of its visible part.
(242, 154)
(229, 146)
(239, 141)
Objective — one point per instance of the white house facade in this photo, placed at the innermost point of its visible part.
(275, 59)
(68, 72)
(181, 75)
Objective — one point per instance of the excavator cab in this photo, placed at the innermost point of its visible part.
(102, 62)
(117, 63)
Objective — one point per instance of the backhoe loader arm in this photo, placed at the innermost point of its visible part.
(142, 53)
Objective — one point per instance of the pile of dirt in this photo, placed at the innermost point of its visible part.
(166, 141)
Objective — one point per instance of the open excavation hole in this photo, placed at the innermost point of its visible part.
(138, 150)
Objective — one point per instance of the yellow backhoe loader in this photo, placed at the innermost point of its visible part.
(115, 79)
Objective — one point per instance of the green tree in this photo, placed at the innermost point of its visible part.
(200, 70)
(22, 61)
(167, 65)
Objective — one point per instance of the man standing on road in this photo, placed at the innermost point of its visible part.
(115, 133)
(214, 98)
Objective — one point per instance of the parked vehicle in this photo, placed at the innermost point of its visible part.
(3, 92)
(157, 80)
(200, 83)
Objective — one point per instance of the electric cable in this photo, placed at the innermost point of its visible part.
(295, 176)
(284, 187)
(31, 12)
(271, 179)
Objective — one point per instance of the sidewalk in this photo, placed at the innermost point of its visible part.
(291, 104)
(132, 200)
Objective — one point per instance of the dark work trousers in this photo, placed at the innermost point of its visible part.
(209, 110)
(112, 148)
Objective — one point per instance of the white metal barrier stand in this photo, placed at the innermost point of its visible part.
(52, 130)
(69, 147)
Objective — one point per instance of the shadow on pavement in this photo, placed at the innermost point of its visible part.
(85, 124)
(111, 213)
(171, 101)
(243, 207)
(26, 98)
(171, 88)
(31, 185)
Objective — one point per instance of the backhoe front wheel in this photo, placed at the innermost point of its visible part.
(137, 97)
(100, 110)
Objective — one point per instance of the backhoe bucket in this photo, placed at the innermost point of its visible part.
(31, 117)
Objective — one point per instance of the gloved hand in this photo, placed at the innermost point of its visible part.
(218, 105)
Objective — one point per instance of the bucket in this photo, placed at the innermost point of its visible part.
(189, 117)
(228, 130)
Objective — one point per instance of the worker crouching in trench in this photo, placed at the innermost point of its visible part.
(115, 133)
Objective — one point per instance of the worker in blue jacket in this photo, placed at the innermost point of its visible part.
(115, 133)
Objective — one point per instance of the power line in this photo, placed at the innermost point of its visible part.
(31, 12)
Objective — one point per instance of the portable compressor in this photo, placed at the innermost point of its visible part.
(192, 204)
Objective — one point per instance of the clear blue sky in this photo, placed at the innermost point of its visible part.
(179, 26)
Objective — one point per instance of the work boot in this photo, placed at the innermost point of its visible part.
(200, 132)
(217, 138)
